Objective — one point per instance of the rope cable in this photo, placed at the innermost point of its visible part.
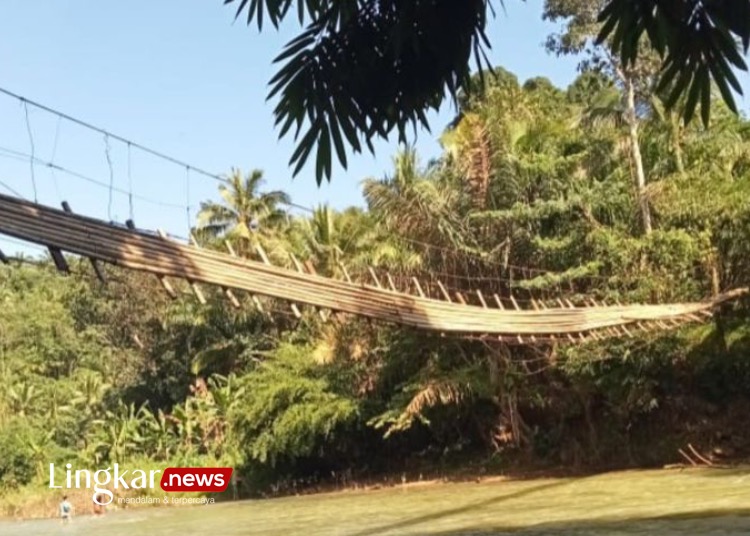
(105, 132)
(12, 190)
(132, 144)
(33, 148)
(111, 175)
(187, 197)
(18, 155)
(130, 186)
(52, 159)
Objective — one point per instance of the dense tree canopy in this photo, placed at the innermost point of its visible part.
(361, 69)
(533, 197)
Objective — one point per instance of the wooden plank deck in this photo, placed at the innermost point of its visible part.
(147, 252)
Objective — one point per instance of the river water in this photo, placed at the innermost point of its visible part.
(637, 502)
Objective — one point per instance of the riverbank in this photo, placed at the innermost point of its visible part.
(667, 501)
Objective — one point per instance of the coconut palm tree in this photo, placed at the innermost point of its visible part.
(352, 237)
(411, 202)
(245, 214)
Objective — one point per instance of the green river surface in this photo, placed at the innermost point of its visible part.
(661, 502)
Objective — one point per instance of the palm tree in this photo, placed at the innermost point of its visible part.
(119, 433)
(467, 146)
(245, 214)
(160, 434)
(90, 392)
(22, 398)
(330, 239)
(410, 202)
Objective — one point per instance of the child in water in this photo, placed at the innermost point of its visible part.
(66, 510)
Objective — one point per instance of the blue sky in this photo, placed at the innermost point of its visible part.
(182, 77)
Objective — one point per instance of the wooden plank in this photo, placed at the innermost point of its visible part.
(295, 310)
(231, 297)
(627, 331)
(310, 267)
(144, 252)
(443, 291)
(94, 263)
(253, 297)
(481, 298)
(543, 307)
(391, 283)
(57, 257)
(418, 287)
(297, 264)
(227, 291)
(374, 277)
(498, 301)
(130, 224)
(613, 332)
(262, 252)
(460, 298)
(196, 290)
(346, 273)
(301, 270)
(514, 302)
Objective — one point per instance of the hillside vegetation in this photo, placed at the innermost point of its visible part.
(536, 195)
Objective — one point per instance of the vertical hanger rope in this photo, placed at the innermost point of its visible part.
(32, 158)
(130, 186)
(111, 175)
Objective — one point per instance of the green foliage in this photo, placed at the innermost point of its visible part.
(700, 43)
(246, 215)
(291, 406)
(17, 442)
(533, 197)
(359, 70)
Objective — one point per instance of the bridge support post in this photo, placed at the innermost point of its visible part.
(130, 224)
(196, 289)
(267, 262)
(227, 291)
(94, 263)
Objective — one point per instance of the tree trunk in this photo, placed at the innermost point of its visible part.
(674, 125)
(635, 148)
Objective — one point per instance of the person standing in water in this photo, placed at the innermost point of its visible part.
(98, 501)
(66, 510)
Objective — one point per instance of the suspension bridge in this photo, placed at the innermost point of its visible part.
(61, 231)
(100, 241)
